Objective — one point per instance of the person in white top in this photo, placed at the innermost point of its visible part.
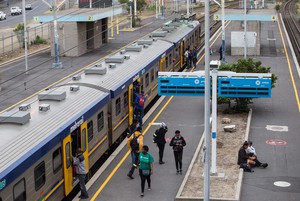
(251, 149)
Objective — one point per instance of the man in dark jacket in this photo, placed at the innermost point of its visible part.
(178, 143)
(159, 139)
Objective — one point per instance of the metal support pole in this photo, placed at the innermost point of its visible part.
(159, 4)
(91, 4)
(156, 9)
(162, 8)
(187, 8)
(130, 10)
(112, 27)
(245, 29)
(207, 105)
(135, 9)
(118, 25)
(56, 63)
(25, 36)
(214, 74)
(223, 31)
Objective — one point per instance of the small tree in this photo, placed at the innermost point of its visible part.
(243, 66)
(140, 6)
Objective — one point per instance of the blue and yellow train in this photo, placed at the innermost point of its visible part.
(90, 111)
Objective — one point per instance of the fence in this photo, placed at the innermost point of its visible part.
(12, 41)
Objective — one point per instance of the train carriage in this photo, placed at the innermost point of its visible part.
(90, 111)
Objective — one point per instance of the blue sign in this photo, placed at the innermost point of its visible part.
(242, 87)
(181, 86)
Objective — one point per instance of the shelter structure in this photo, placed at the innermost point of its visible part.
(253, 17)
(81, 30)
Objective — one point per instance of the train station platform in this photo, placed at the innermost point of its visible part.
(273, 130)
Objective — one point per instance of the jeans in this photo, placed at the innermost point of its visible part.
(81, 178)
(139, 116)
(143, 180)
(178, 159)
(135, 164)
(132, 157)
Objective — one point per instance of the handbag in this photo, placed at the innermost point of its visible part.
(145, 172)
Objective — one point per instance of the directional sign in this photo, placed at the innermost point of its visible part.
(180, 86)
(244, 87)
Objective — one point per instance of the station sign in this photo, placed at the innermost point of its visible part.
(181, 86)
(244, 87)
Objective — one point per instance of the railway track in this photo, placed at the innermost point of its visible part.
(292, 28)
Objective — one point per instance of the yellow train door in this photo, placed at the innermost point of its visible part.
(67, 164)
(130, 104)
(162, 64)
(84, 144)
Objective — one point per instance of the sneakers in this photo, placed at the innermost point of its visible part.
(264, 165)
(130, 176)
(83, 197)
(142, 194)
(161, 162)
(180, 172)
(149, 189)
(177, 172)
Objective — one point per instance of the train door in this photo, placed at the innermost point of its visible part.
(67, 164)
(181, 53)
(162, 64)
(133, 90)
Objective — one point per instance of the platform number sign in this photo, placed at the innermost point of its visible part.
(273, 17)
(216, 17)
(90, 18)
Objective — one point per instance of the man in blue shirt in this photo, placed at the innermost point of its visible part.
(139, 107)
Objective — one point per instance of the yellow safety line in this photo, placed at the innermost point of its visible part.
(126, 155)
(54, 189)
(290, 68)
(99, 143)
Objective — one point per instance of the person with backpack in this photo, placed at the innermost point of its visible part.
(186, 55)
(139, 107)
(130, 130)
(178, 142)
(145, 168)
(195, 58)
(79, 163)
(159, 139)
(135, 143)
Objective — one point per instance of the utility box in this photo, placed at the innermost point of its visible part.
(214, 64)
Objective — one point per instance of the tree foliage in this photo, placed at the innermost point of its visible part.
(243, 66)
(140, 5)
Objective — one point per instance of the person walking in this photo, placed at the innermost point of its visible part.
(195, 58)
(135, 143)
(79, 162)
(130, 130)
(159, 139)
(186, 55)
(178, 143)
(145, 168)
(139, 107)
(221, 53)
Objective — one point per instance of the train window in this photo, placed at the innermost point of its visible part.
(83, 147)
(125, 99)
(39, 176)
(56, 160)
(147, 80)
(68, 155)
(170, 59)
(156, 71)
(152, 75)
(90, 129)
(118, 106)
(20, 191)
(100, 121)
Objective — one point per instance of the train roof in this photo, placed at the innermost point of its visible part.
(25, 133)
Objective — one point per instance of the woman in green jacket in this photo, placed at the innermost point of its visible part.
(145, 168)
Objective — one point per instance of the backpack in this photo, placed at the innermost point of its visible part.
(141, 101)
(134, 142)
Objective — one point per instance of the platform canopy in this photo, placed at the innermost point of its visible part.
(81, 14)
(252, 15)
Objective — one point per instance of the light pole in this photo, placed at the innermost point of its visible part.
(207, 105)
(25, 36)
(245, 29)
(130, 10)
(223, 31)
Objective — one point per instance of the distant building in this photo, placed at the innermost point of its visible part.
(95, 3)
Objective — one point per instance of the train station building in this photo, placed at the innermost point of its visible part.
(80, 30)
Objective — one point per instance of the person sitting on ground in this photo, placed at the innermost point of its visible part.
(244, 158)
(251, 150)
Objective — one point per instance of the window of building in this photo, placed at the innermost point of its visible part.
(125, 99)
(20, 191)
(56, 160)
(90, 129)
(118, 106)
(147, 80)
(100, 121)
(152, 75)
(39, 176)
